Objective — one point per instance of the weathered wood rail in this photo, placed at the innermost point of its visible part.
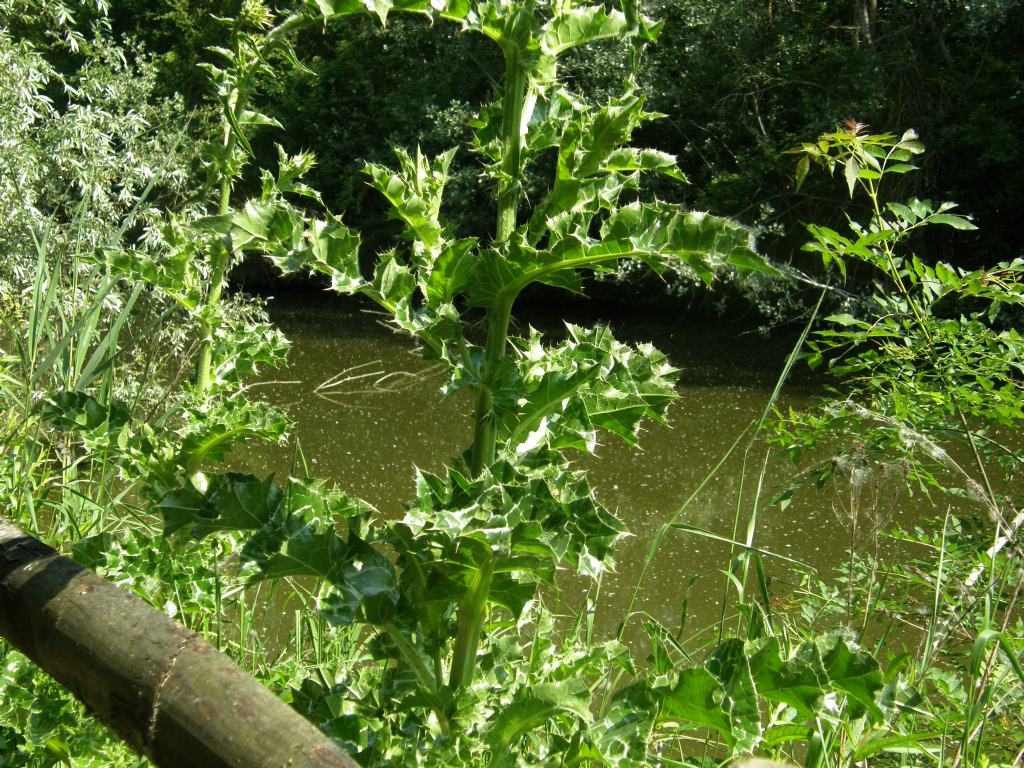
(163, 689)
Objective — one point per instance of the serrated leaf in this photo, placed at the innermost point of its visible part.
(695, 699)
(853, 671)
(729, 663)
(232, 502)
(251, 117)
(451, 271)
(533, 707)
(334, 250)
(579, 26)
(799, 681)
(415, 193)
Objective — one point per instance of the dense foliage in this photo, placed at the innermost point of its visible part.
(427, 640)
(739, 82)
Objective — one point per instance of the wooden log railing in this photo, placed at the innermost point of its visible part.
(163, 689)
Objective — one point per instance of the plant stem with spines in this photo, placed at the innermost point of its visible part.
(469, 626)
(473, 607)
(484, 427)
(219, 258)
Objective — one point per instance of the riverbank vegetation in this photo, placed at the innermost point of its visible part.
(137, 175)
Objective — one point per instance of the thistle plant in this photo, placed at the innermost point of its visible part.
(501, 519)
(456, 656)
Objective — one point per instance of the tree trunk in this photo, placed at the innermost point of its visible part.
(864, 12)
(163, 689)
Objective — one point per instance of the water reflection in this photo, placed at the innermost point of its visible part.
(368, 441)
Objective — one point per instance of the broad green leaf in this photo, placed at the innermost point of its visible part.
(451, 271)
(908, 216)
(366, 581)
(800, 681)
(853, 671)
(251, 224)
(232, 502)
(695, 699)
(846, 319)
(625, 732)
(729, 663)
(78, 412)
(952, 220)
(392, 282)
(309, 549)
(851, 171)
(334, 251)
(533, 707)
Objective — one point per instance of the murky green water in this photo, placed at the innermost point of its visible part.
(385, 414)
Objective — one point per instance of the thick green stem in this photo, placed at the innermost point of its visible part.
(512, 105)
(205, 361)
(473, 607)
(484, 427)
(219, 258)
(470, 626)
(408, 653)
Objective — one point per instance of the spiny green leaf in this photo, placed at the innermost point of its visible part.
(800, 681)
(76, 411)
(729, 663)
(565, 392)
(695, 699)
(451, 271)
(853, 671)
(533, 707)
(579, 26)
(334, 251)
(629, 159)
(232, 502)
(214, 431)
(415, 194)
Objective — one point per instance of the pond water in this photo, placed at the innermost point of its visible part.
(366, 433)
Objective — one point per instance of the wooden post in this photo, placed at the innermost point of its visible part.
(163, 689)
